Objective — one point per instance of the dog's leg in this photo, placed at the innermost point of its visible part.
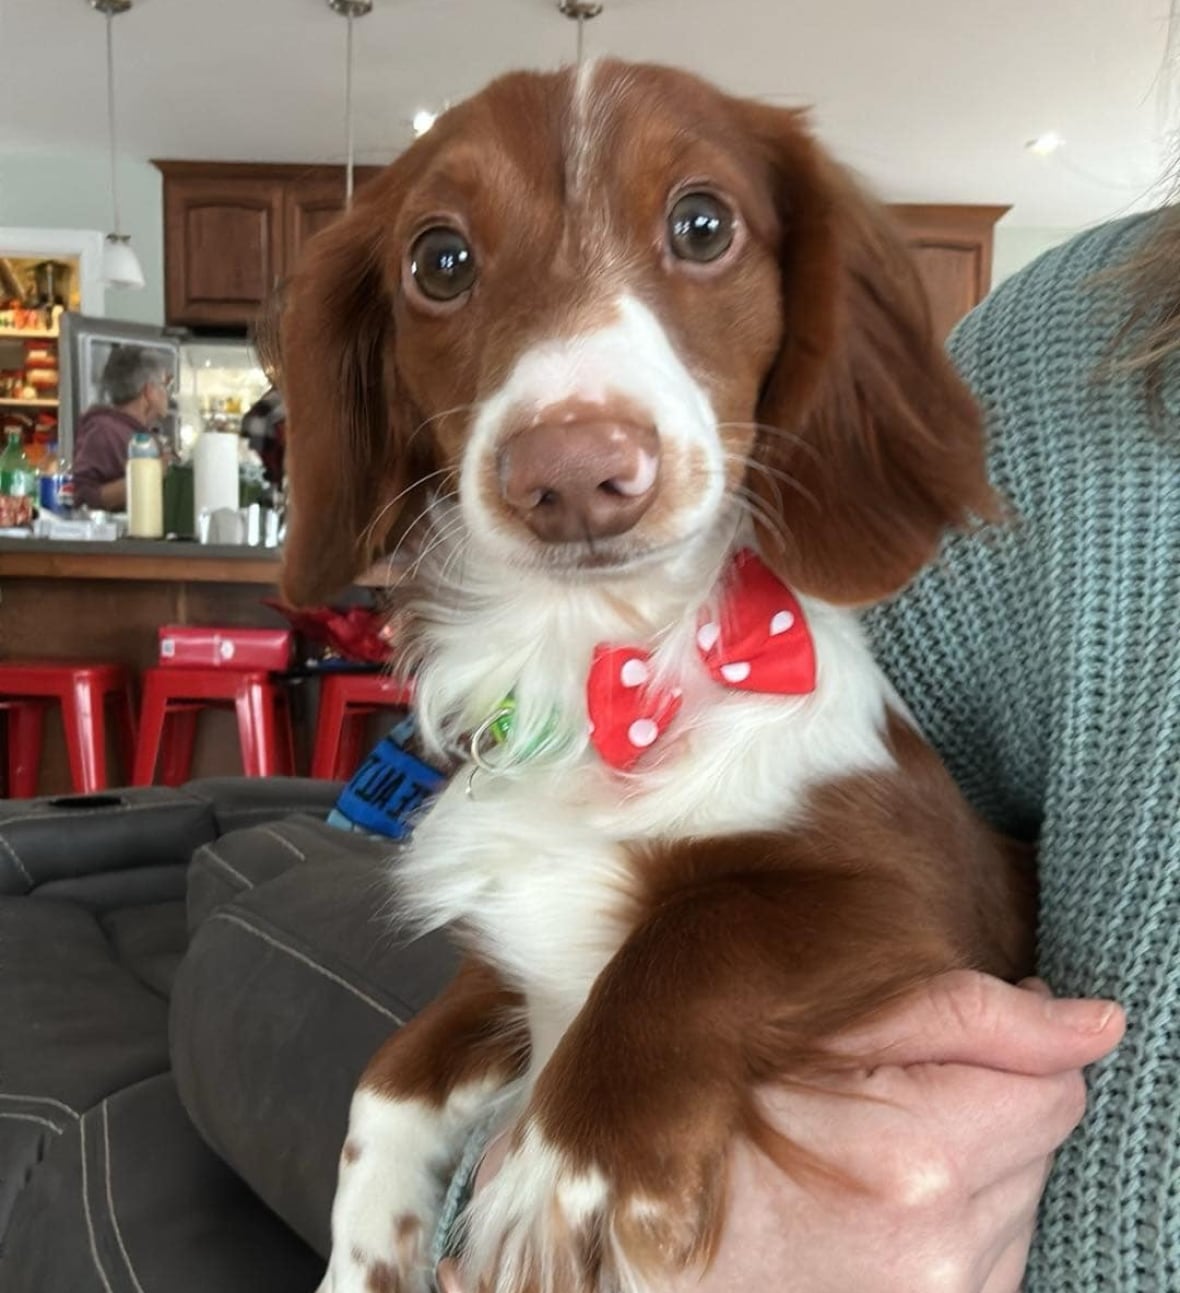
(617, 1169)
(416, 1103)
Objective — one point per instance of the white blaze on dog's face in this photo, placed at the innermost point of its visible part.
(597, 314)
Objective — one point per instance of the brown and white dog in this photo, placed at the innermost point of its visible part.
(592, 336)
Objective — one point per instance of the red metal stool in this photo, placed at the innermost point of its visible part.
(83, 690)
(24, 720)
(174, 697)
(346, 700)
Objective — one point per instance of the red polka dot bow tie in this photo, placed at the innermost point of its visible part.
(759, 642)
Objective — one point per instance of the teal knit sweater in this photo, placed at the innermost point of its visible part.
(1044, 662)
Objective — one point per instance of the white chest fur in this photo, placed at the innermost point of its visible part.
(534, 862)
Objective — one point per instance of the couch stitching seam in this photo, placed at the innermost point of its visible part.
(102, 1275)
(40, 1099)
(207, 850)
(106, 1140)
(234, 919)
(32, 1117)
(20, 866)
(282, 839)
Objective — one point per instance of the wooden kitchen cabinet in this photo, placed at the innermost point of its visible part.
(952, 246)
(233, 231)
(223, 246)
(311, 204)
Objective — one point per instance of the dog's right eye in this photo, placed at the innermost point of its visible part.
(700, 228)
(442, 264)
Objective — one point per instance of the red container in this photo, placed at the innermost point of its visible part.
(196, 646)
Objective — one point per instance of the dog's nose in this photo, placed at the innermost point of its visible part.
(575, 475)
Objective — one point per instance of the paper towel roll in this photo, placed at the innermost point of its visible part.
(215, 473)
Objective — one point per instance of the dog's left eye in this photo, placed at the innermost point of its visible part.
(442, 264)
(700, 227)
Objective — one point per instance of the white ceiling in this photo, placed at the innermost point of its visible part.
(933, 100)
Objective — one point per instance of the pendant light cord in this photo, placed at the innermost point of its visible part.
(111, 123)
(349, 147)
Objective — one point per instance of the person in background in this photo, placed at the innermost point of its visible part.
(264, 424)
(136, 382)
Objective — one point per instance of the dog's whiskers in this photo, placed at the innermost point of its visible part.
(773, 475)
(448, 528)
(437, 417)
(370, 529)
(761, 515)
(749, 504)
(794, 437)
(426, 514)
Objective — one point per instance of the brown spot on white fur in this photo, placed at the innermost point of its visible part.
(407, 1238)
(381, 1277)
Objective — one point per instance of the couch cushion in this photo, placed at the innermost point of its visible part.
(129, 1200)
(238, 802)
(149, 941)
(75, 1026)
(286, 992)
(243, 860)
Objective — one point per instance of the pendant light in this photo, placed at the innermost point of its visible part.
(120, 264)
(581, 11)
(350, 9)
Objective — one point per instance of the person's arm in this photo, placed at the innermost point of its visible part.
(977, 1086)
(99, 467)
(112, 496)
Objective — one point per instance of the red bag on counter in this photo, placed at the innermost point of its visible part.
(197, 646)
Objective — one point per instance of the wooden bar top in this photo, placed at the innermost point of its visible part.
(138, 560)
(152, 561)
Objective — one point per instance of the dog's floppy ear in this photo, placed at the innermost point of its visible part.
(346, 422)
(880, 441)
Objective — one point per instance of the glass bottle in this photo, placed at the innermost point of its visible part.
(18, 483)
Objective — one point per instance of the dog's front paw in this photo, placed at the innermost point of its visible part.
(387, 1200)
(546, 1225)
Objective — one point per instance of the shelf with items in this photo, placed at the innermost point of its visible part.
(29, 377)
(29, 334)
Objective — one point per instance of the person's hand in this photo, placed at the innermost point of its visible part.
(975, 1086)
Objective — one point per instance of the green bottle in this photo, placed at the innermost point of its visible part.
(18, 483)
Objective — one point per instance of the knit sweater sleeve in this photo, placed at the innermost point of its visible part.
(1043, 660)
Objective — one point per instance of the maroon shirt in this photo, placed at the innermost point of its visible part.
(100, 450)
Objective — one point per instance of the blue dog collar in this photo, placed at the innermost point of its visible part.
(389, 790)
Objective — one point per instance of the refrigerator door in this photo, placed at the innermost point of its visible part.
(86, 345)
(218, 381)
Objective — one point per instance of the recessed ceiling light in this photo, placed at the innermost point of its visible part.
(1045, 145)
(423, 120)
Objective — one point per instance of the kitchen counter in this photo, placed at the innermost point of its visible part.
(138, 560)
(106, 601)
(147, 560)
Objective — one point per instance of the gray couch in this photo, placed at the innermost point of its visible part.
(190, 983)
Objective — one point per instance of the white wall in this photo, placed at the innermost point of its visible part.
(72, 191)
(1015, 248)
